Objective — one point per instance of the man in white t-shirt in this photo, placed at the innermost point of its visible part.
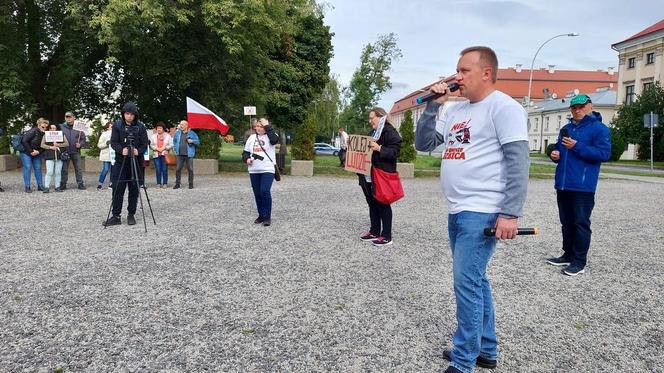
(484, 175)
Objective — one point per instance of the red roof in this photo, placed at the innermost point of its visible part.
(515, 84)
(654, 28)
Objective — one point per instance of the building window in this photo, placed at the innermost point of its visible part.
(629, 94)
(546, 126)
(560, 121)
(631, 62)
(650, 58)
(536, 124)
(647, 86)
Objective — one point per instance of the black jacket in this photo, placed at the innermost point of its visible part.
(119, 135)
(390, 142)
(32, 140)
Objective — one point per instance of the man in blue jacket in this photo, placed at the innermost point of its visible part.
(583, 144)
(185, 142)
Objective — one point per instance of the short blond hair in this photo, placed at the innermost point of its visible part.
(488, 58)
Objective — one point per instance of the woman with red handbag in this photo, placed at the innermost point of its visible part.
(386, 148)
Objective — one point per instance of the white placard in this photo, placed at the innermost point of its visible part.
(249, 110)
(79, 125)
(53, 136)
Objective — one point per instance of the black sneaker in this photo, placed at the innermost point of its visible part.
(572, 270)
(99, 187)
(58, 190)
(113, 220)
(267, 222)
(452, 370)
(28, 190)
(559, 261)
(258, 220)
(46, 190)
(131, 220)
(81, 187)
(381, 241)
(191, 186)
(40, 189)
(481, 362)
(176, 186)
(368, 236)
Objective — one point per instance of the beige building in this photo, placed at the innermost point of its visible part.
(641, 62)
(547, 117)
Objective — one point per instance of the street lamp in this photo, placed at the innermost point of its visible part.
(532, 64)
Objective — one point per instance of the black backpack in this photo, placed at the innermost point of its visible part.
(17, 142)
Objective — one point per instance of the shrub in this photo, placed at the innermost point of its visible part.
(617, 146)
(303, 144)
(408, 152)
(93, 139)
(210, 143)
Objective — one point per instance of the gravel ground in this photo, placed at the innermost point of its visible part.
(206, 290)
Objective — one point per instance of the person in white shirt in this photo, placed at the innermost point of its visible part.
(484, 175)
(259, 155)
(104, 145)
(343, 145)
(161, 143)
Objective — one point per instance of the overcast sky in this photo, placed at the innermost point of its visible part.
(432, 33)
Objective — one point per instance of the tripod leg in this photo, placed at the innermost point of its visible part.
(135, 179)
(115, 188)
(147, 197)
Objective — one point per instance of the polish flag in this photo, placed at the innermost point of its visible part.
(199, 116)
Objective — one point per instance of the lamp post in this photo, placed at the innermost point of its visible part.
(530, 84)
(532, 64)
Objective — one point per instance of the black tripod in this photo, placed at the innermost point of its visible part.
(134, 178)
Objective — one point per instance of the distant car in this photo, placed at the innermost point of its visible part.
(322, 148)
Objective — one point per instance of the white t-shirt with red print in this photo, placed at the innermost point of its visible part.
(253, 146)
(472, 172)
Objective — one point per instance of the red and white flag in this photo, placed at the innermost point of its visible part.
(199, 116)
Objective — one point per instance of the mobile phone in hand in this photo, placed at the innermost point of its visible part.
(564, 132)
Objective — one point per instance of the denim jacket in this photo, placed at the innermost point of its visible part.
(191, 148)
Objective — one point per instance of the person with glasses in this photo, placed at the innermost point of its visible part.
(77, 141)
(31, 156)
(583, 144)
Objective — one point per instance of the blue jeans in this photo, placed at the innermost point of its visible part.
(574, 209)
(261, 184)
(29, 162)
(162, 170)
(471, 251)
(104, 171)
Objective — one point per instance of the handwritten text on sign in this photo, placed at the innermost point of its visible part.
(358, 154)
(53, 136)
(79, 125)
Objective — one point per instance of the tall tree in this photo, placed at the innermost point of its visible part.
(370, 80)
(629, 122)
(327, 109)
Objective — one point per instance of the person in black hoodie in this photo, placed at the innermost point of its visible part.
(31, 156)
(386, 150)
(126, 130)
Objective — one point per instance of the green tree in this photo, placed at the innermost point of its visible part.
(327, 110)
(369, 81)
(303, 144)
(618, 145)
(407, 130)
(629, 122)
(93, 139)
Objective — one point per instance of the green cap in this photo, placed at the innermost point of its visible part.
(579, 100)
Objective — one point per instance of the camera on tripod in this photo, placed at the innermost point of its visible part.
(131, 133)
(256, 156)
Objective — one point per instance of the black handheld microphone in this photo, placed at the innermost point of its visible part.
(519, 231)
(432, 96)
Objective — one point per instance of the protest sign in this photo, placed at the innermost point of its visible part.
(358, 154)
(79, 125)
(53, 136)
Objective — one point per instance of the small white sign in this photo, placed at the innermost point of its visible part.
(249, 110)
(53, 136)
(79, 125)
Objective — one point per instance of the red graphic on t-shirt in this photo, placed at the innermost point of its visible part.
(458, 135)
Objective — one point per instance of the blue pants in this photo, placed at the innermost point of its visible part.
(29, 162)
(574, 209)
(104, 171)
(162, 170)
(261, 184)
(471, 251)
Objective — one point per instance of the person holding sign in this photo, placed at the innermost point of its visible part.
(258, 154)
(104, 145)
(31, 156)
(385, 146)
(52, 142)
(73, 131)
